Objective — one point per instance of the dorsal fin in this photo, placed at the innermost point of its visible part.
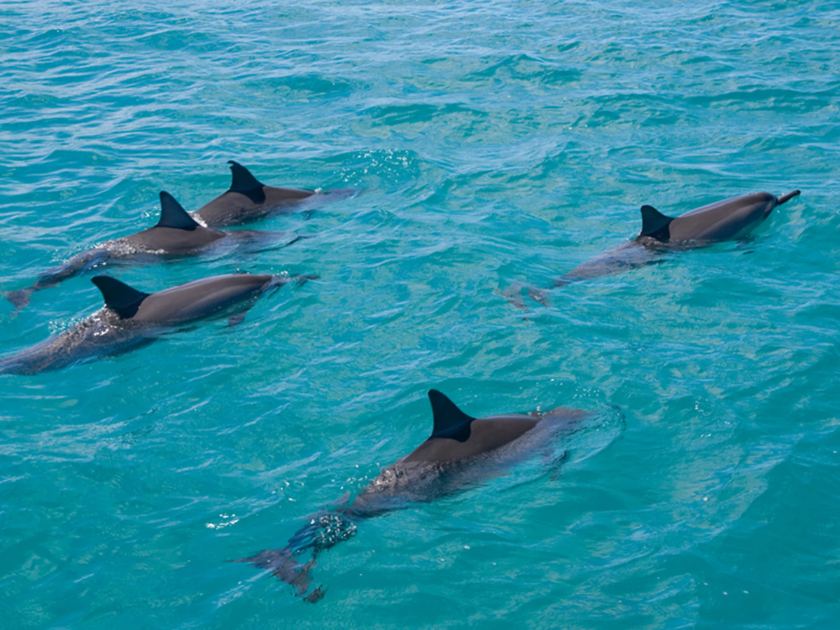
(119, 297)
(655, 224)
(242, 179)
(173, 215)
(449, 421)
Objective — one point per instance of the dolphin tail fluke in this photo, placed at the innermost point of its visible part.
(540, 296)
(284, 566)
(323, 531)
(20, 298)
(787, 197)
(280, 562)
(77, 265)
(513, 294)
(316, 595)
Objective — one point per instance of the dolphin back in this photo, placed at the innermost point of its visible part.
(98, 336)
(202, 298)
(728, 219)
(322, 531)
(176, 232)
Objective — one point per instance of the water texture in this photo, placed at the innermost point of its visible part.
(498, 143)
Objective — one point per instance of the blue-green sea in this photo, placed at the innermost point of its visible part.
(493, 144)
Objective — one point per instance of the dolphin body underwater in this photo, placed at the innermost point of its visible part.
(132, 318)
(729, 219)
(461, 452)
(175, 235)
(249, 200)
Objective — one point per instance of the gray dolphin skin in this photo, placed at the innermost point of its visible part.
(175, 235)
(249, 200)
(460, 453)
(131, 318)
(729, 219)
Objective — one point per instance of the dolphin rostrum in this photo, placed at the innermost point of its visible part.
(460, 452)
(175, 235)
(249, 200)
(131, 318)
(721, 221)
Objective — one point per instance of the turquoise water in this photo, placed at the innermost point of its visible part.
(498, 143)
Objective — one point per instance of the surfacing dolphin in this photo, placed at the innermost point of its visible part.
(131, 318)
(461, 452)
(725, 220)
(249, 200)
(175, 235)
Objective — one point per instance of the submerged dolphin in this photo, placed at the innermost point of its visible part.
(460, 452)
(176, 234)
(131, 318)
(249, 200)
(724, 220)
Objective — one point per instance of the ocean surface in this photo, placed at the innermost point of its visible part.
(493, 144)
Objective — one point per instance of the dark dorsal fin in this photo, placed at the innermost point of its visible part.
(242, 178)
(173, 215)
(449, 421)
(655, 224)
(119, 297)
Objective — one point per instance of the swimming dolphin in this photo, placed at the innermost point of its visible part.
(131, 318)
(175, 235)
(249, 200)
(724, 220)
(461, 452)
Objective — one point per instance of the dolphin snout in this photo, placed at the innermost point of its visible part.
(787, 197)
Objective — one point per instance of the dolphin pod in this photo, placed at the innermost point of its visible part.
(721, 221)
(175, 235)
(461, 452)
(131, 318)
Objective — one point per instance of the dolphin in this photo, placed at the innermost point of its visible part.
(460, 453)
(249, 200)
(131, 318)
(729, 219)
(175, 235)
